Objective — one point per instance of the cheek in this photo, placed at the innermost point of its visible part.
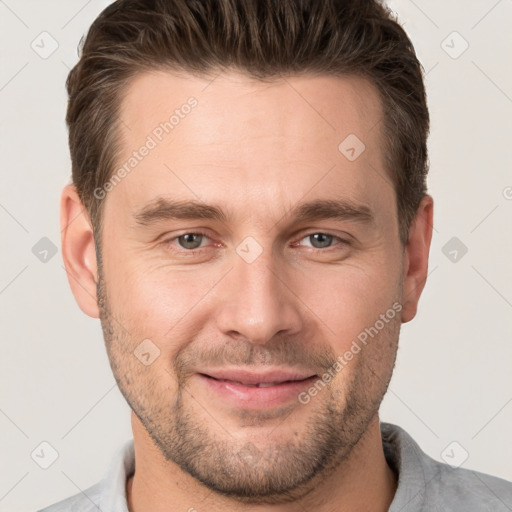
(349, 299)
(156, 301)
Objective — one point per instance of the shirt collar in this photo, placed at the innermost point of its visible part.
(113, 494)
(411, 468)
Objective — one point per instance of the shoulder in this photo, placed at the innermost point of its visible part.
(109, 494)
(464, 489)
(425, 484)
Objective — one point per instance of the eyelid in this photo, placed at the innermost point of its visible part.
(340, 239)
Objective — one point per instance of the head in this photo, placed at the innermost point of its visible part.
(252, 182)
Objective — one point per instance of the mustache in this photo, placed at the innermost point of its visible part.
(281, 352)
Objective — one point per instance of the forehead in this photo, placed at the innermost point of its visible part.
(276, 140)
(329, 106)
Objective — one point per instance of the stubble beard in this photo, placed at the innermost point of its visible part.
(278, 471)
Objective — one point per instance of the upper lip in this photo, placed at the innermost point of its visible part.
(254, 377)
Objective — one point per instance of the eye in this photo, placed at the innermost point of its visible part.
(190, 240)
(194, 241)
(322, 240)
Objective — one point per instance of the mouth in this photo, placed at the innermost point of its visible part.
(258, 385)
(256, 390)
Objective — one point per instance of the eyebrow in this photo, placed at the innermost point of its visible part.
(318, 209)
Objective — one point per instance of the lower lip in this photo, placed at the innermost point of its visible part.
(253, 397)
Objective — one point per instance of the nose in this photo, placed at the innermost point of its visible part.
(257, 303)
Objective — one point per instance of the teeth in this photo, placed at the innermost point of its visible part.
(259, 385)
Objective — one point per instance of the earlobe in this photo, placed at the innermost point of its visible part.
(78, 251)
(416, 257)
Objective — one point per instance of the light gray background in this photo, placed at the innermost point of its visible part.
(453, 376)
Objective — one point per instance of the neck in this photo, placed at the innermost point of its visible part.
(363, 481)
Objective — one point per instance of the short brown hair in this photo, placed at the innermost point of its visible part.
(264, 39)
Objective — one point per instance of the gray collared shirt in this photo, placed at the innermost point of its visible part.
(424, 485)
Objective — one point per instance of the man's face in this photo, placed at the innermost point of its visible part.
(255, 293)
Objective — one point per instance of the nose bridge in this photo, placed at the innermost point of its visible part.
(257, 304)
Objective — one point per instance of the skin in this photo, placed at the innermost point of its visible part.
(257, 150)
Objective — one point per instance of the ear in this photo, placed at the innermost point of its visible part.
(416, 257)
(78, 251)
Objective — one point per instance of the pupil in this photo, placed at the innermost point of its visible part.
(319, 240)
(190, 241)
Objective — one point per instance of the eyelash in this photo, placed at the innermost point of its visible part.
(200, 249)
